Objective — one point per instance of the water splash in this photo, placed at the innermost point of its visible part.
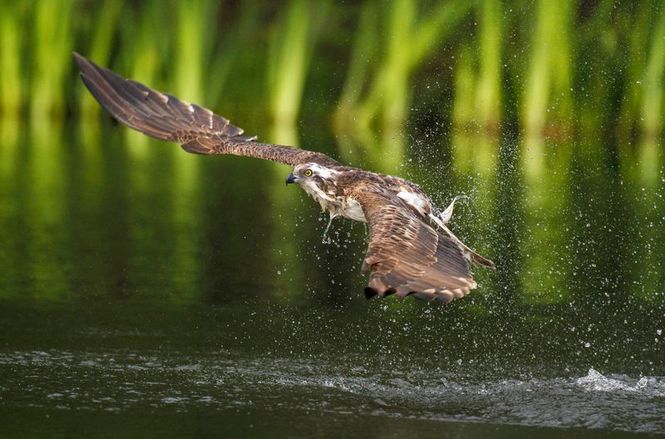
(121, 381)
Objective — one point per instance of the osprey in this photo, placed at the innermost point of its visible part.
(411, 250)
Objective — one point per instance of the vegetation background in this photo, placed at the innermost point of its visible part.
(550, 114)
(485, 66)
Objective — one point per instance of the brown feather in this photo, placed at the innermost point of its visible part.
(408, 256)
(165, 117)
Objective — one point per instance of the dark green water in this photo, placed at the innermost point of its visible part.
(147, 292)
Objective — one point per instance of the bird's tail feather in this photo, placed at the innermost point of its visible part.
(470, 254)
(481, 260)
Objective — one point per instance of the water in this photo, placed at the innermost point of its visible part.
(149, 292)
(238, 371)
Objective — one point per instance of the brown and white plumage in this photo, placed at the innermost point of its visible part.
(411, 251)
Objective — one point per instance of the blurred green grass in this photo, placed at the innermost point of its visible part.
(546, 68)
(555, 112)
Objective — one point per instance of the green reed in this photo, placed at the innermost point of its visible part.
(636, 26)
(546, 96)
(547, 68)
(193, 44)
(488, 93)
(478, 73)
(11, 41)
(52, 42)
(403, 40)
(409, 40)
(291, 48)
(464, 108)
(101, 42)
(363, 54)
(652, 105)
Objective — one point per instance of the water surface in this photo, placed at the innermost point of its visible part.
(146, 291)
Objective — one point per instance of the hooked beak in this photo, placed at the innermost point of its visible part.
(291, 178)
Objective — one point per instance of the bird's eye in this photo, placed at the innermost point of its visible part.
(308, 173)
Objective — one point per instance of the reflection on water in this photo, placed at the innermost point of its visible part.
(139, 279)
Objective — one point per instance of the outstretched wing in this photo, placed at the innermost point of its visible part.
(165, 117)
(407, 256)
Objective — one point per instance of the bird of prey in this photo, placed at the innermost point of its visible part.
(411, 251)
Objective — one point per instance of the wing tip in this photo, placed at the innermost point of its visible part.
(83, 63)
(77, 56)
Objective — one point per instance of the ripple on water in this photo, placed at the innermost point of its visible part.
(119, 381)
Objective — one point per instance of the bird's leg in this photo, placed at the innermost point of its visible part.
(325, 239)
(448, 213)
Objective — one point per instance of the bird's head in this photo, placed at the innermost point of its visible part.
(311, 173)
(315, 179)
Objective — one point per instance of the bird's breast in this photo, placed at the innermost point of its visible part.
(335, 204)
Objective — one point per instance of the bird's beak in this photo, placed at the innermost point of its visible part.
(291, 178)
